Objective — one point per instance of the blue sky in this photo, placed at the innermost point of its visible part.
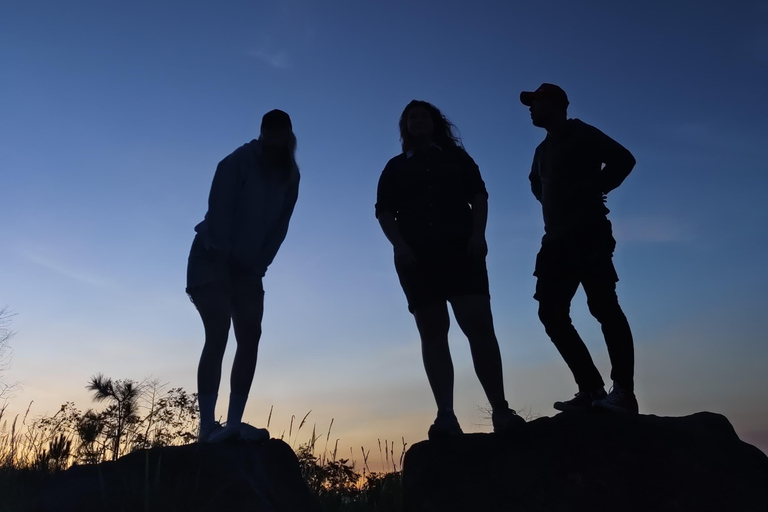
(115, 114)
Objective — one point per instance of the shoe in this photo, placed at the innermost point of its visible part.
(251, 433)
(208, 431)
(222, 434)
(582, 401)
(505, 420)
(618, 400)
(445, 425)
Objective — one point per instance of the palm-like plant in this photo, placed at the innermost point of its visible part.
(123, 396)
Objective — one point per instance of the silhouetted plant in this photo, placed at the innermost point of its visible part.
(89, 430)
(53, 443)
(121, 413)
(56, 457)
(171, 418)
(5, 356)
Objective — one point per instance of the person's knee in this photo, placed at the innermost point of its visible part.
(215, 346)
(554, 316)
(473, 314)
(433, 323)
(248, 343)
(247, 325)
(604, 308)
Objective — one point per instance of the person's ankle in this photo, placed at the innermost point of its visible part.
(236, 409)
(501, 405)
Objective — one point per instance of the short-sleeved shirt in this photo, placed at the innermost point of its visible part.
(567, 178)
(429, 191)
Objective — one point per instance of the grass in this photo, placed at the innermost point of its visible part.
(33, 450)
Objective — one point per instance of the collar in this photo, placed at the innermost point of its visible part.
(411, 152)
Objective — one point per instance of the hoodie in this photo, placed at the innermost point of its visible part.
(249, 209)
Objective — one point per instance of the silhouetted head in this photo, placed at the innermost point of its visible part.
(421, 123)
(278, 142)
(548, 105)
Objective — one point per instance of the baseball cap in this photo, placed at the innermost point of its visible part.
(276, 120)
(545, 92)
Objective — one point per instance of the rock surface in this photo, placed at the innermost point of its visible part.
(591, 462)
(241, 476)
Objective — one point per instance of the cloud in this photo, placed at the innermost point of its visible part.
(651, 229)
(278, 59)
(63, 270)
(706, 137)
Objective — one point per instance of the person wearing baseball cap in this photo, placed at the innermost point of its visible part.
(251, 201)
(574, 169)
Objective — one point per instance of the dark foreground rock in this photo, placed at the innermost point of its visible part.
(240, 476)
(591, 462)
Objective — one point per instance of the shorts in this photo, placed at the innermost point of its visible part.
(205, 271)
(560, 268)
(440, 274)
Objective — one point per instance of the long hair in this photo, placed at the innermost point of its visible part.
(285, 156)
(444, 131)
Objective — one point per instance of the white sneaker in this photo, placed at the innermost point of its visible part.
(251, 433)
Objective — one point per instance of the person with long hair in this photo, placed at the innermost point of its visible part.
(251, 201)
(432, 205)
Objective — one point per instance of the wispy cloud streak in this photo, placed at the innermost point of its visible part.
(63, 270)
(276, 59)
(652, 229)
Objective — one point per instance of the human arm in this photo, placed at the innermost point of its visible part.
(534, 176)
(477, 197)
(403, 252)
(478, 247)
(219, 219)
(618, 161)
(386, 210)
(277, 236)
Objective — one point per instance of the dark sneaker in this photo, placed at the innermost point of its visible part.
(618, 400)
(445, 425)
(505, 420)
(581, 402)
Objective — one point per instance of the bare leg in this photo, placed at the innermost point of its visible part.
(213, 305)
(433, 323)
(247, 313)
(473, 314)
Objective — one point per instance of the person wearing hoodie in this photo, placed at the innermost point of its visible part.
(573, 170)
(251, 201)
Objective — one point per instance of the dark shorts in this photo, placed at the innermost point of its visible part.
(205, 272)
(560, 268)
(441, 274)
(240, 296)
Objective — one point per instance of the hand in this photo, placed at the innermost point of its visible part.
(404, 255)
(605, 198)
(478, 248)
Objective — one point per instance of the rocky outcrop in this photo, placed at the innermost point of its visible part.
(241, 476)
(591, 462)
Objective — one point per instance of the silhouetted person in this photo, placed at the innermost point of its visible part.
(432, 205)
(569, 180)
(251, 201)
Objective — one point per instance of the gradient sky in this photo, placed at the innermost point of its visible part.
(113, 116)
